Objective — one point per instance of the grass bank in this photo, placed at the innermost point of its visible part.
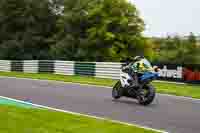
(22, 120)
(165, 88)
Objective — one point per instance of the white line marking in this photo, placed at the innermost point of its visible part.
(79, 114)
(63, 82)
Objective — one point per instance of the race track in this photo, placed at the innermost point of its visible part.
(172, 114)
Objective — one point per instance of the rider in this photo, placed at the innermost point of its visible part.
(139, 65)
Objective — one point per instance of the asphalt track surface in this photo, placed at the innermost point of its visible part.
(172, 114)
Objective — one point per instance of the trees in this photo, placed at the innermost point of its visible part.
(83, 30)
(178, 50)
(192, 56)
(26, 29)
(102, 30)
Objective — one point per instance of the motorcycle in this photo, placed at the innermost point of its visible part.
(144, 92)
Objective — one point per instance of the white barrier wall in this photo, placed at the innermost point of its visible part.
(108, 70)
(64, 67)
(30, 66)
(5, 65)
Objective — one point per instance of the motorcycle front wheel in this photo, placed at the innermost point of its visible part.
(147, 95)
(117, 91)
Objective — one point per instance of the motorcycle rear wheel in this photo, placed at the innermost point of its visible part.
(146, 99)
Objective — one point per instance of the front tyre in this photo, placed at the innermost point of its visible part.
(117, 91)
(147, 95)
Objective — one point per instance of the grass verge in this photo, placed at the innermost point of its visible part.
(165, 88)
(22, 120)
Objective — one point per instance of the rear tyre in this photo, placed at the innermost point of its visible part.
(117, 90)
(148, 97)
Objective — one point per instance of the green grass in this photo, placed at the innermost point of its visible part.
(166, 88)
(75, 79)
(23, 120)
(187, 90)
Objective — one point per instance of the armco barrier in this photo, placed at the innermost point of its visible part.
(84, 68)
(46, 66)
(98, 69)
(17, 66)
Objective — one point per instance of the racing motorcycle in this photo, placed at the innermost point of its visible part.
(144, 92)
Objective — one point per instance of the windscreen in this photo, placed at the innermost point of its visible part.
(147, 63)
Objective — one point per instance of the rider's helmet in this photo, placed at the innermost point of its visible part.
(138, 58)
